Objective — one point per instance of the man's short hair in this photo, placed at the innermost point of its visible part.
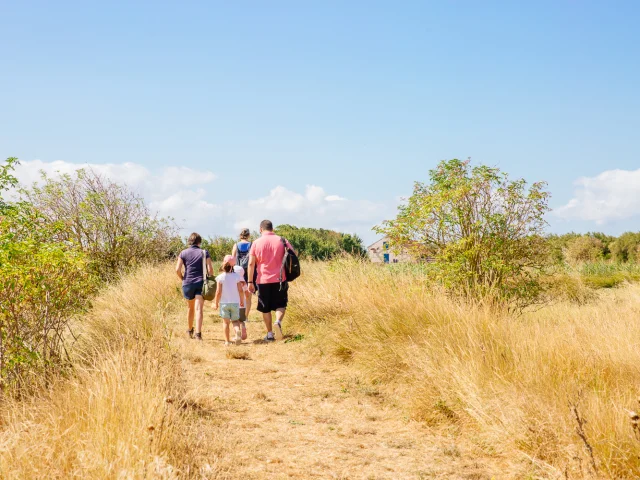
(266, 225)
(194, 239)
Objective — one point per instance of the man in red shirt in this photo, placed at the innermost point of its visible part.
(266, 256)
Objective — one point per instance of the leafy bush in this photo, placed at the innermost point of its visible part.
(585, 248)
(312, 243)
(218, 247)
(485, 231)
(321, 244)
(43, 283)
(7, 181)
(626, 248)
(108, 221)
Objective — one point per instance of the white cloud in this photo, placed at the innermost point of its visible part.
(314, 208)
(184, 194)
(611, 195)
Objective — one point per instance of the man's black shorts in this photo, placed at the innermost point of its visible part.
(272, 297)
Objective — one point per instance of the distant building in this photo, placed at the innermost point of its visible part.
(380, 252)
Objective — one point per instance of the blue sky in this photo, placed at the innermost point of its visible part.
(324, 113)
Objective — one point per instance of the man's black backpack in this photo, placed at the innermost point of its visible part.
(290, 264)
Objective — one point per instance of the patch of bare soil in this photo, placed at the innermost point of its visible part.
(286, 414)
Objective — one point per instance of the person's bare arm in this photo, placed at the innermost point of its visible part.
(218, 296)
(179, 264)
(250, 276)
(210, 267)
(241, 294)
(234, 250)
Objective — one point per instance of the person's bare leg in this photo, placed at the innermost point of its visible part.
(247, 303)
(199, 305)
(266, 318)
(225, 329)
(278, 327)
(243, 327)
(191, 310)
(236, 328)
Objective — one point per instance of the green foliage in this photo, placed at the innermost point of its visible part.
(558, 245)
(485, 230)
(626, 248)
(108, 221)
(585, 248)
(43, 283)
(594, 246)
(321, 244)
(218, 247)
(7, 180)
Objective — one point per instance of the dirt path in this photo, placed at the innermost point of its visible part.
(287, 414)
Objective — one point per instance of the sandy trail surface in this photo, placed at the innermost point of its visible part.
(284, 412)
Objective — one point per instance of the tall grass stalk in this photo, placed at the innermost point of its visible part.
(508, 382)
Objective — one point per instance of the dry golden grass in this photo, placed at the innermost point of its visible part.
(121, 414)
(233, 354)
(508, 383)
(145, 402)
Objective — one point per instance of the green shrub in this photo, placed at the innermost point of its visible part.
(604, 281)
(485, 231)
(44, 282)
(626, 248)
(218, 247)
(585, 248)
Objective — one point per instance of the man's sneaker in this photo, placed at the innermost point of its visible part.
(190, 333)
(278, 331)
(269, 339)
(198, 336)
(238, 338)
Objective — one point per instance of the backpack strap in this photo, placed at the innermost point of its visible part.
(204, 266)
(284, 260)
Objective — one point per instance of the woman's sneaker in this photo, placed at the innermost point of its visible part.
(190, 333)
(198, 336)
(269, 338)
(238, 338)
(278, 331)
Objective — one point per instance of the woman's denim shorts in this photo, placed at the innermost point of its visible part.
(190, 291)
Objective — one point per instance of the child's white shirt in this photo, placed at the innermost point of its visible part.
(229, 282)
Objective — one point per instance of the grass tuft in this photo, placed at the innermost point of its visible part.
(235, 354)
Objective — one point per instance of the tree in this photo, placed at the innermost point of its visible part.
(485, 231)
(321, 244)
(108, 221)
